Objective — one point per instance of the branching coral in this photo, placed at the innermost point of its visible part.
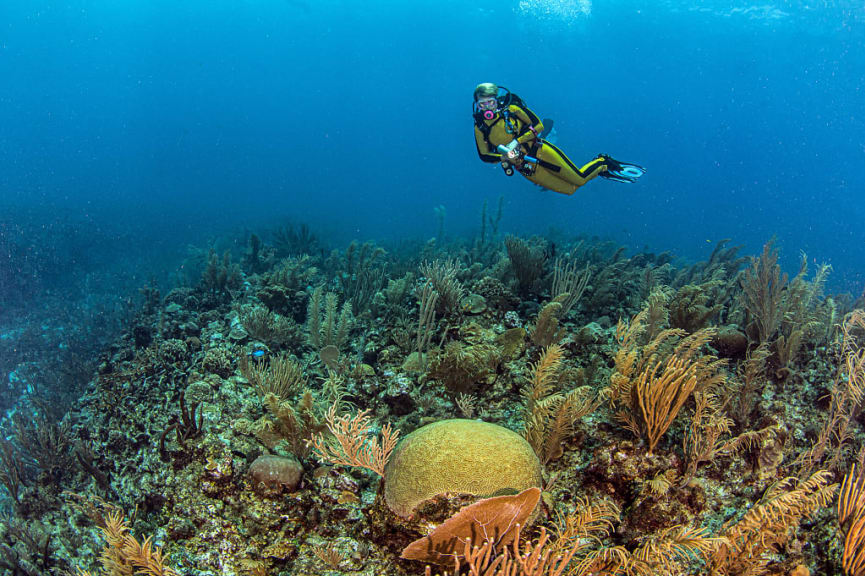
(766, 526)
(283, 376)
(535, 559)
(265, 326)
(13, 469)
(426, 301)
(702, 441)
(527, 262)
(220, 275)
(783, 313)
(651, 383)
(851, 518)
(442, 274)
(295, 412)
(549, 416)
(189, 425)
(690, 307)
(291, 240)
(577, 549)
(752, 378)
(462, 367)
(330, 328)
(547, 330)
(846, 396)
(27, 548)
(569, 283)
(762, 290)
(349, 444)
(124, 555)
(363, 276)
(660, 396)
(293, 421)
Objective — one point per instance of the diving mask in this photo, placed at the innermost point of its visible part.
(488, 106)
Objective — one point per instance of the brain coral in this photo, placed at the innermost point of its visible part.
(458, 456)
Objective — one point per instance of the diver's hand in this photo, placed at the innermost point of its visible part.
(513, 152)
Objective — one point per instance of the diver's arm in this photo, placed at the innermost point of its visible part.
(482, 145)
(532, 125)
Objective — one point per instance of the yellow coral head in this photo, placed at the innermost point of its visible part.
(486, 90)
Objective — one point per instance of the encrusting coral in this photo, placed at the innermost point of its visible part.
(494, 520)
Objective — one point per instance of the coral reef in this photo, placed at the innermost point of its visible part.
(487, 405)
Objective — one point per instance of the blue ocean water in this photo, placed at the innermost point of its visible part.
(139, 126)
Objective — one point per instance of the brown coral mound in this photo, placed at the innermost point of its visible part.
(276, 472)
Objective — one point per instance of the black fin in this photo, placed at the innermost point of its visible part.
(548, 127)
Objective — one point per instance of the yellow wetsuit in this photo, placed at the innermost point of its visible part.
(554, 170)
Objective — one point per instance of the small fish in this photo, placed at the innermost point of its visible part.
(257, 353)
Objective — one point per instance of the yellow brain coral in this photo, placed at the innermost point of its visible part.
(458, 456)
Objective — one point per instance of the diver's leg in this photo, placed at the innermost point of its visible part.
(548, 179)
(568, 171)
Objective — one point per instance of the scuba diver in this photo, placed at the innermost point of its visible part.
(507, 132)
